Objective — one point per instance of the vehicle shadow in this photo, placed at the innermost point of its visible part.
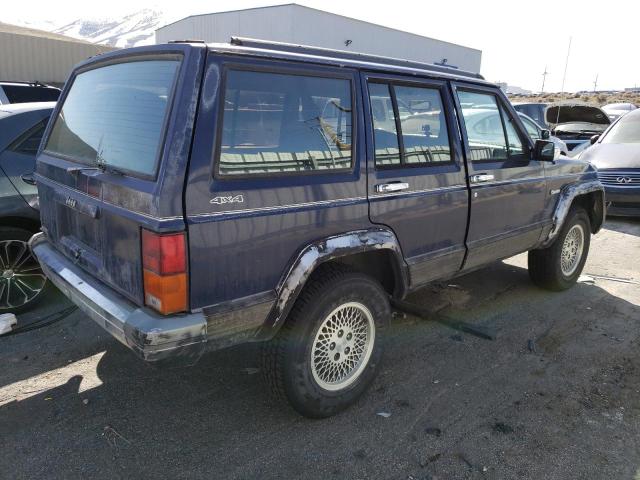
(215, 420)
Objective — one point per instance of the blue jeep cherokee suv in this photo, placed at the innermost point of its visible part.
(197, 196)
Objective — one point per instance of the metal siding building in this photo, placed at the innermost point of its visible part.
(28, 55)
(297, 24)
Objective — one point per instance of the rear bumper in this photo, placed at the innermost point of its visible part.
(624, 201)
(151, 336)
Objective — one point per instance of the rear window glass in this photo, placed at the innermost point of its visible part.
(114, 116)
(29, 142)
(534, 111)
(276, 124)
(27, 93)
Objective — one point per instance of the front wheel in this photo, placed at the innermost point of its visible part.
(329, 349)
(558, 266)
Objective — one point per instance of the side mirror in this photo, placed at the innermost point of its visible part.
(545, 134)
(544, 151)
(594, 139)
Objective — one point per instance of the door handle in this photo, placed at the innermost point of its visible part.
(392, 187)
(481, 178)
(28, 178)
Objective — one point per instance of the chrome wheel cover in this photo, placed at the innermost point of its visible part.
(572, 248)
(21, 278)
(342, 346)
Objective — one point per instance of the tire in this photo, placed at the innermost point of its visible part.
(22, 283)
(319, 389)
(546, 267)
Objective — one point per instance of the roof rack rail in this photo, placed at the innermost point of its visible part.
(346, 55)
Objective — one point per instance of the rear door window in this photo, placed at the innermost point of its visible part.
(115, 116)
(419, 115)
(424, 130)
(385, 132)
(275, 123)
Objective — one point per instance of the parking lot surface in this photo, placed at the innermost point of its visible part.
(556, 395)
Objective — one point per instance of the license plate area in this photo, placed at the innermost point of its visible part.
(79, 233)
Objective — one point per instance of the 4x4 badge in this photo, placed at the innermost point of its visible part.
(227, 199)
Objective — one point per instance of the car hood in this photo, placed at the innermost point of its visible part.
(575, 113)
(578, 127)
(613, 155)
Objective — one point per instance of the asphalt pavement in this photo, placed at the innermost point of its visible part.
(556, 394)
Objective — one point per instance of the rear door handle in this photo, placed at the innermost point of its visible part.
(481, 178)
(28, 178)
(392, 187)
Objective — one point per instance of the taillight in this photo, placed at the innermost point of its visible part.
(164, 263)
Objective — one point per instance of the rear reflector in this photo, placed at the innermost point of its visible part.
(164, 263)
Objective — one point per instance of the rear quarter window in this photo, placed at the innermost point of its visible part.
(275, 123)
(115, 115)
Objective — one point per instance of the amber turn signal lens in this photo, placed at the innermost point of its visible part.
(165, 293)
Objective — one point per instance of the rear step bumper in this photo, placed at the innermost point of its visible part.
(151, 336)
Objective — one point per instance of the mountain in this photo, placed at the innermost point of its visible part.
(132, 30)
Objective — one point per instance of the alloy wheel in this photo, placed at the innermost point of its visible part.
(342, 346)
(21, 278)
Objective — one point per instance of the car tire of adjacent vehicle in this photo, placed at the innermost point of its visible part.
(22, 283)
(328, 351)
(558, 266)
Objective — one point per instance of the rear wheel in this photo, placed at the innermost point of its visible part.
(558, 266)
(22, 281)
(329, 349)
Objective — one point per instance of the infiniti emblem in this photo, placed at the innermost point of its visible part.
(623, 180)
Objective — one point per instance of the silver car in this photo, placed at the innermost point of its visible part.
(616, 110)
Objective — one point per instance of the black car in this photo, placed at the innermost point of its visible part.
(616, 153)
(26, 92)
(535, 111)
(21, 129)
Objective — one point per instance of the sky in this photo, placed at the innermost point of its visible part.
(518, 39)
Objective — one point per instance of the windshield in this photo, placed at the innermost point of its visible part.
(113, 116)
(626, 130)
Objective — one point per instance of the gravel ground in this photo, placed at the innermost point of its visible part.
(554, 396)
